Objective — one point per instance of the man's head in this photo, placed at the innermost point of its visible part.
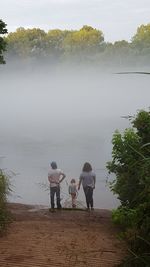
(54, 165)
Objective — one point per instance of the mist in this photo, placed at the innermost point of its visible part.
(64, 114)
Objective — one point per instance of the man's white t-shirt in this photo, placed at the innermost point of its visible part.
(54, 176)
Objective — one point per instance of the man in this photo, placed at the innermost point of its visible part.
(55, 177)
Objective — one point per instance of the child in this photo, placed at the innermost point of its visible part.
(73, 192)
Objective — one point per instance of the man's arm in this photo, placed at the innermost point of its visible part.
(49, 178)
(63, 177)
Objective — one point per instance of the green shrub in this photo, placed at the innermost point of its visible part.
(4, 190)
(131, 166)
(125, 217)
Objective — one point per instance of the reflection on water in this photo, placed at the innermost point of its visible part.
(66, 118)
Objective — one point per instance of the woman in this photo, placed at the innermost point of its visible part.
(88, 180)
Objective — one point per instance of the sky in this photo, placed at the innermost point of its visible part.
(118, 19)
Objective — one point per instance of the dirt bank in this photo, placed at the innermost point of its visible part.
(65, 238)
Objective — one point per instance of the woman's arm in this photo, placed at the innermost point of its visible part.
(94, 178)
(80, 180)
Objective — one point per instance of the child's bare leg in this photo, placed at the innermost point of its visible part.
(74, 200)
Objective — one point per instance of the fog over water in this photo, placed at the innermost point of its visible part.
(64, 115)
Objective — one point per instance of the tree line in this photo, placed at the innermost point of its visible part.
(84, 45)
(3, 31)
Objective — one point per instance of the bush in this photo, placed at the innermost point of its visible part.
(125, 217)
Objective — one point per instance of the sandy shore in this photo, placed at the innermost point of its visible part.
(65, 238)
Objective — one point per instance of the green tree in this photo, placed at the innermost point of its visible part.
(86, 41)
(3, 31)
(141, 40)
(119, 54)
(54, 42)
(26, 42)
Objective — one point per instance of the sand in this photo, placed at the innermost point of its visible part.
(65, 238)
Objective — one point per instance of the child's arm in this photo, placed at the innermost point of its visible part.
(69, 189)
(94, 178)
(76, 188)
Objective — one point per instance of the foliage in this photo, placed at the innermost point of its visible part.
(55, 39)
(3, 30)
(125, 217)
(141, 40)
(131, 166)
(4, 190)
(24, 43)
(86, 40)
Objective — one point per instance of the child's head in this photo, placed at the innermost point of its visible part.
(73, 181)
